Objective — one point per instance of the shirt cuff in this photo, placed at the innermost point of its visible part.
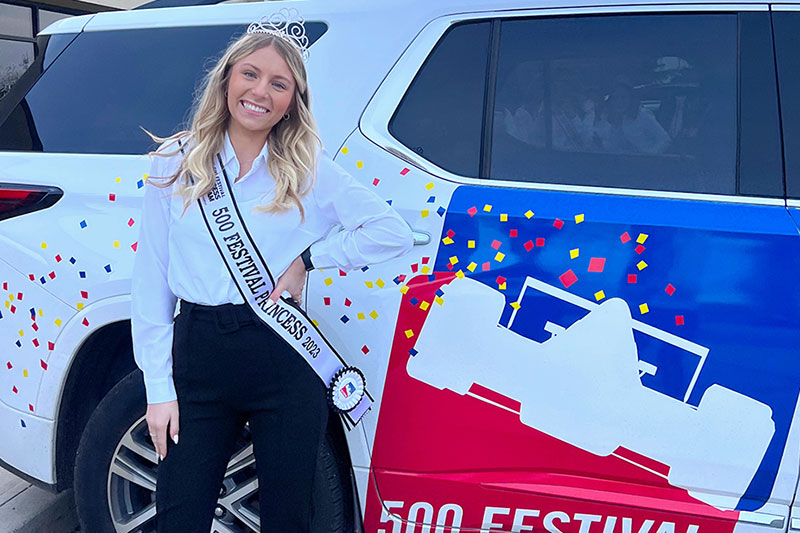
(320, 256)
(160, 390)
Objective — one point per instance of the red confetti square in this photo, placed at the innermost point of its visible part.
(449, 266)
(30, 406)
(404, 172)
(347, 302)
(84, 294)
(376, 181)
(58, 258)
(326, 300)
(19, 296)
(131, 222)
(512, 233)
(558, 223)
(625, 237)
(112, 197)
(472, 210)
(500, 280)
(540, 242)
(639, 249)
(5, 285)
(52, 275)
(451, 233)
(486, 266)
(364, 349)
(85, 321)
(342, 273)
(568, 278)
(30, 276)
(496, 244)
(50, 345)
(402, 277)
(679, 320)
(9, 365)
(13, 309)
(35, 342)
(35, 326)
(424, 262)
(631, 278)
(528, 246)
(414, 267)
(135, 246)
(597, 264)
(14, 388)
(670, 289)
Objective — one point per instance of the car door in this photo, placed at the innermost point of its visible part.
(605, 334)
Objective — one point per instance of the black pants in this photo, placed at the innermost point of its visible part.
(229, 368)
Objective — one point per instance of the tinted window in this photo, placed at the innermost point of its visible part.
(441, 114)
(787, 41)
(105, 85)
(644, 102)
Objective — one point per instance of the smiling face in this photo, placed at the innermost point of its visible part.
(261, 90)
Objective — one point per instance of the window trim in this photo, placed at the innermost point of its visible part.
(374, 121)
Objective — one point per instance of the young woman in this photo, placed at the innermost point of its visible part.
(217, 365)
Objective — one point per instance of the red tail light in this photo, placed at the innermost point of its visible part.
(17, 200)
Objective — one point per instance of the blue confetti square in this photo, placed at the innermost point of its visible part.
(19, 344)
(440, 211)
(414, 301)
(42, 280)
(72, 260)
(32, 311)
(83, 224)
(413, 352)
(397, 280)
(345, 319)
(1, 315)
(108, 268)
(140, 184)
(22, 423)
(431, 199)
(439, 292)
(82, 274)
(364, 269)
(389, 202)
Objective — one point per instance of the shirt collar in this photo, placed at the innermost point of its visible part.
(228, 154)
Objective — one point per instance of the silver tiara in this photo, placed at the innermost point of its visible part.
(286, 24)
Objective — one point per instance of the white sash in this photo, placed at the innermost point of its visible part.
(347, 392)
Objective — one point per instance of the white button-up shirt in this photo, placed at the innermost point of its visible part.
(177, 258)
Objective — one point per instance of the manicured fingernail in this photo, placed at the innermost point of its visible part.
(161, 457)
(175, 438)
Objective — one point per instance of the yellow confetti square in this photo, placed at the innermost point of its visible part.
(439, 300)
(426, 269)
(374, 314)
(328, 281)
(344, 149)
(447, 240)
(487, 208)
(379, 283)
(424, 213)
(409, 333)
(57, 322)
(404, 289)
(641, 238)
(429, 186)
(21, 333)
(315, 323)
(528, 213)
(10, 297)
(44, 245)
(361, 316)
(360, 164)
(116, 244)
(369, 284)
(574, 253)
(454, 260)
(515, 305)
(578, 218)
(641, 265)
(499, 256)
(145, 176)
(644, 309)
(25, 372)
(599, 295)
(470, 244)
(504, 217)
(502, 286)
(118, 180)
(460, 274)
(424, 306)
(79, 305)
(471, 267)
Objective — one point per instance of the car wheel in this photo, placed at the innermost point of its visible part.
(116, 472)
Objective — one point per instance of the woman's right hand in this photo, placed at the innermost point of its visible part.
(162, 422)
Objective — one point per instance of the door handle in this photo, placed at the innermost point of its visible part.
(421, 238)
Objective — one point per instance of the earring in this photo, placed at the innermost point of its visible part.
(286, 116)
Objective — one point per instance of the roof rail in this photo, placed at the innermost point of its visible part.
(177, 3)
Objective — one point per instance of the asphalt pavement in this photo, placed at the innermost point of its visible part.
(25, 508)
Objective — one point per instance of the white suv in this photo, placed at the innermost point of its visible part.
(597, 329)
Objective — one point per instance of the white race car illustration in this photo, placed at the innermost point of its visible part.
(583, 386)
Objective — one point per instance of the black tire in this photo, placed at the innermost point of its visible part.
(103, 499)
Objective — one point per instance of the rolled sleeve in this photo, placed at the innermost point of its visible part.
(371, 230)
(152, 300)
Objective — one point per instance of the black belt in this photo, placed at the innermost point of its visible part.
(229, 317)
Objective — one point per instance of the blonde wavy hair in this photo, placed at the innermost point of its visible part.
(293, 143)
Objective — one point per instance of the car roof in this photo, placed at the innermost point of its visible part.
(415, 12)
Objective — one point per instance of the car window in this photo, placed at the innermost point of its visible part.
(787, 40)
(441, 115)
(637, 101)
(96, 96)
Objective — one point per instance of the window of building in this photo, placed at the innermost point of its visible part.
(16, 20)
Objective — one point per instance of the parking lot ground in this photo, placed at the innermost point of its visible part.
(25, 508)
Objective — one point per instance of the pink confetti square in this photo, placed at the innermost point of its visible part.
(375, 182)
(528, 246)
(135, 246)
(597, 264)
(679, 320)
(512, 233)
(451, 233)
(84, 294)
(540, 242)
(85, 321)
(35, 342)
(404, 172)
(35, 326)
(472, 210)
(670, 289)
(496, 244)
(414, 267)
(131, 222)
(558, 223)
(52, 275)
(486, 266)
(30, 406)
(568, 278)
(625, 237)
(402, 277)
(50, 345)
(58, 258)
(364, 349)
(639, 249)
(500, 280)
(632, 278)
(347, 302)
(449, 266)
(424, 262)
(112, 197)
(326, 300)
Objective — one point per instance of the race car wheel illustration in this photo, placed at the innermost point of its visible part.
(116, 472)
